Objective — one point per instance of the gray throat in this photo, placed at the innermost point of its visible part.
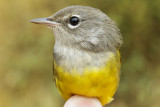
(71, 58)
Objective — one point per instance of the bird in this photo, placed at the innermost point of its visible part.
(87, 58)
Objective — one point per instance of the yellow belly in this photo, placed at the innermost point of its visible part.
(93, 82)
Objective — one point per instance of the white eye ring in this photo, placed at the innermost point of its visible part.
(74, 26)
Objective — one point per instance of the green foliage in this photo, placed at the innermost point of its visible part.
(26, 52)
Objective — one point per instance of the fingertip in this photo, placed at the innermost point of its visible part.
(81, 101)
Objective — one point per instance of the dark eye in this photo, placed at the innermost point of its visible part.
(74, 21)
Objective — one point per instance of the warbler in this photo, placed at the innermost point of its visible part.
(86, 52)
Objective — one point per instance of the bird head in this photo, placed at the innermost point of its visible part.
(84, 28)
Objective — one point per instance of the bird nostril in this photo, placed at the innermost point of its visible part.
(49, 19)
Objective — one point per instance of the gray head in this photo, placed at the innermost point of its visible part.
(84, 28)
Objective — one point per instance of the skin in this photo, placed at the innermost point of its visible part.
(80, 101)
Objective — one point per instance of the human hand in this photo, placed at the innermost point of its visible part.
(81, 101)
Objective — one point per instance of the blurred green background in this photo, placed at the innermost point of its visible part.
(26, 52)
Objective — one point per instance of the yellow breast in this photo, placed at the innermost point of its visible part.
(99, 82)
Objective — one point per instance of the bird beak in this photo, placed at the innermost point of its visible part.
(44, 21)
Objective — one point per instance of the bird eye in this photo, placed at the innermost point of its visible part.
(74, 21)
